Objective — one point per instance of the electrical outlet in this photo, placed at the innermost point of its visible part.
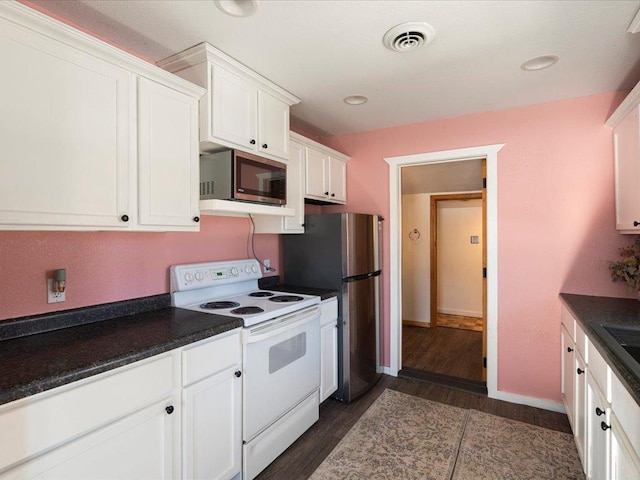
(267, 264)
(54, 297)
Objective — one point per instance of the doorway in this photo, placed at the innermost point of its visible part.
(396, 164)
(442, 274)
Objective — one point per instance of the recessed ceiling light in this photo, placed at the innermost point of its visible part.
(355, 99)
(409, 36)
(538, 63)
(236, 8)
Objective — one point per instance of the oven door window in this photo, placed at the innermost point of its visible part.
(257, 179)
(287, 352)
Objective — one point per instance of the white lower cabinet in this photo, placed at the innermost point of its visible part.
(174, 415)
(598, 428)
(604, 417)
(328, 348)
(568, 372)
(212, 412)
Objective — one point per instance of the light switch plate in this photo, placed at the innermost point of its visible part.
(267, 264)
(54, 297)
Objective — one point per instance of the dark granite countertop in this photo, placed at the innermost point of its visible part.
(273, 283)
(594, 312)
(60, 348)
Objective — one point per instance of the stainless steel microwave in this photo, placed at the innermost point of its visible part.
(236, 175)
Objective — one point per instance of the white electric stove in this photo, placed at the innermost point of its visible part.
(280, 352)
(231, 289)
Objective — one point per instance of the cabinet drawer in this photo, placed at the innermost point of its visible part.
(53, 418)
(627, 412)
(569, 322)
(328, 311)
(599, 370)
(210, 356)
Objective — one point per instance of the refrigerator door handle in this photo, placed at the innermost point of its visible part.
(364, 276)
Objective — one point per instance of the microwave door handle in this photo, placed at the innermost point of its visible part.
(279, 328)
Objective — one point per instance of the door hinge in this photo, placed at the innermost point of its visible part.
(484, 362)
(484, 183)
(484, 272)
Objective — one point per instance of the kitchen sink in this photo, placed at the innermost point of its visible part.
(625, 340)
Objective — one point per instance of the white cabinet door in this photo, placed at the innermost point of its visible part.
(273, 126)
(627, 172)
(138, 446)
(625, 463)
(168, 158)
(212, 444)
(598, 432)
(328, 360)
(295, 189)
(579, 415)
(65, 133)
(315, 174)
(234, 103)
(568, 374)
(337, 180)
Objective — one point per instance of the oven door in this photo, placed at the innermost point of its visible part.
(281, 367)
(258, 179)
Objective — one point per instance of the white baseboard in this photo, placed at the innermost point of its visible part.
(460, 313)
(531, 401)
(386, 370)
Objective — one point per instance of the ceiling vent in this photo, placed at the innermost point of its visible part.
(409, 36)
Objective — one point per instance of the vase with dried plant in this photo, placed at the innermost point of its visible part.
(628, 268)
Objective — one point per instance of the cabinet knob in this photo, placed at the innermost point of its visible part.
(238, 373)
(252, 141)
(333, 194)
(326, 193)
(599, 412)
(604, 426)
(196, 219)
(124, 218)
(169, 409)
(569, 349)
(636, 223)
(580, 371)
(264, 145)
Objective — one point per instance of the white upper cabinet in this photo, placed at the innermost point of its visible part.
(71, 118)
(168, 157)
(325, 173)
(241, 108)
(626, 140)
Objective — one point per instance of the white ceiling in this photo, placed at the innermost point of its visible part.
(322, 51)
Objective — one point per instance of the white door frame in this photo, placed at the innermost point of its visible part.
(490, 152)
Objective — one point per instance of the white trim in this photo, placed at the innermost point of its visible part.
(490, 152)
(387, 371)
(531, 401)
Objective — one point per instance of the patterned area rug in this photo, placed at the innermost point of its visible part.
(399, 437)
(405, 437)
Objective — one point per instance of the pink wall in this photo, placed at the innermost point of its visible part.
(105, 267)
(556, 228)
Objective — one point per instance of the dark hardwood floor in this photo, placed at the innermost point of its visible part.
(301, 459)
(449, 351)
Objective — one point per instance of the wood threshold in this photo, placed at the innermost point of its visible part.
(413, 323)
(455, 383)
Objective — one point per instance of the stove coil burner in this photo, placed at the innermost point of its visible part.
(286, 298)
(261, 294)
(219, 305)
(247, 310)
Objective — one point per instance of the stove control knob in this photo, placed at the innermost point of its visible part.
(254, 269)
(188, 277)
(199, 276)
(248, 269)
(234, 272)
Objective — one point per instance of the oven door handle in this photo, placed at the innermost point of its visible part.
(282, 326)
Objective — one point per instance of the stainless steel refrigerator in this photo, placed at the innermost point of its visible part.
(341, 251)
